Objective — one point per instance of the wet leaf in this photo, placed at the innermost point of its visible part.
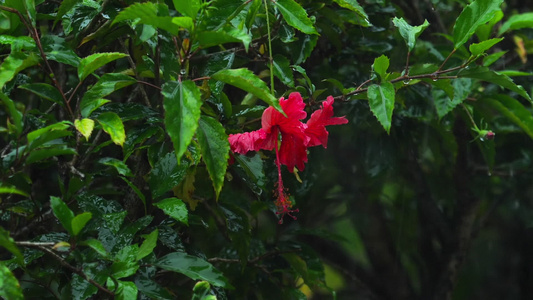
(175, 208)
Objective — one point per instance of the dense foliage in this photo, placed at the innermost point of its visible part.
(140, 155)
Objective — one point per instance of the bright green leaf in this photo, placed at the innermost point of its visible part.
(80, 221)
(214, 147)
(175, 208)
(479, 48)
(381, 100)
(295, 16)
(182, 102)
(94, 61)
(29, 5)
(46, 152)
(9, 285)
(474, 15)
(147, 13)
(248, 81)
(87, 107)
(85, 127)
(43, 135)
(13, 64)
(227, 34)
(127, 290)
(353, 6)
(96, 245)
(12, 190)
(112, 124)
(188, 8)
(380, 66)
(147, 247)
(201, 290)
(515, 22)
(408, 32)
(62, 212)
(483, 73)
(192, 267)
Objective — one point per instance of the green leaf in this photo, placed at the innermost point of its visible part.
(127, 290)
(44, 91)
(112, 124)
(483, 73)
(249, 82)
(94, 61)
(381, 100)
(8, 243)
(56, 48)
(166, 174)
(43, 135)
(119, 165)
(188, 8)
(353, 6)
(479, 48)
(29, 5)
(295, 16)
(48, 152)
(106, 85)
(201, 290)
(88, 107)
(175, 208)
(474, 15)
(380, 66)
(214, 147)
(85, 127)
(65, 6)
(80, 221)
(137, 192)
(9, 285)
(182, 102)
(147, 247)
(147, 13)
(15, 114)
(408, 32)
(192, 267)
(18, 42)
(125, 263)
(520, 21)
(513, 110)
(13, 64)
(12, 190)
(462, 87)
(282, 70)
(227, 34)
(96, 245)
(62, 213)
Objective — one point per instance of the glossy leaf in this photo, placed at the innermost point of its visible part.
(119, 165)
(9, 285)
(62, 213)
(282, 70)
(409, 33)
(381, 100)
(112, 124)
(215, 149)
(48, 133)
(147, 13)
(188, 8)
(85, 127)
(44, 91)
(182, 102)
(295, 16)
(106, 85)
(65, 6)
(192, 267)
(12, 190)
(57, 49)
(95, 61)
(514, 111)
(127, 290)
(175, 208)
(353, 6)
(462, 87)
(8, 243)
(483, 73)
(515, 22)
(227, 34)
(474, 15)
(166, 174)
(147, 247)
(88, 107)
(46, 152)
(253, 168)
(96, 245)
(201, 291)
(79, 222)
(249, 82)
(15, 63)
(479, 48)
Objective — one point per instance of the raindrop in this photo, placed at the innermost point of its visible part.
(406, 81)
(183, 71)
(489, 173)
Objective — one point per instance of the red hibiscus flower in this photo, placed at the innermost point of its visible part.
(296, 137)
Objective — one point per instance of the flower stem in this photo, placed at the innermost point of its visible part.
(271, 61)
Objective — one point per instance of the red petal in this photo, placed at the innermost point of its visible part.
(316, 126)
(247, 141)
(293, 152)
